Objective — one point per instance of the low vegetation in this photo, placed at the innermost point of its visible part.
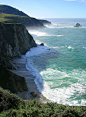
(10, 18)
(9, 14)
(13, 106)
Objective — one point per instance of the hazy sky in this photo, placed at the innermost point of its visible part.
(50, 8)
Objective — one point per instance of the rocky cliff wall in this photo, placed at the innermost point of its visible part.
(11, 81)
(14, 41)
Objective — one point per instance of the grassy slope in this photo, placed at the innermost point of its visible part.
(25, 20)
(8, 18)
(12, 106)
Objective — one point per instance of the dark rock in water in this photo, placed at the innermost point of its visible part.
(11, 81)
(34, 94)
(42, 44)
(77, 25)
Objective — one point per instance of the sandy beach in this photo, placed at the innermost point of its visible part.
(22, 71)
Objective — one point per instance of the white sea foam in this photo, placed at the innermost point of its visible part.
(55, 25)
(59, 35)
(84, 47)
(52, 25)
(59, 95)
(55, 47)
(39, 33)
(70, 47)
(36, 50)
(62, 95)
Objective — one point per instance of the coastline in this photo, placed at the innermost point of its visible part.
(32, 87)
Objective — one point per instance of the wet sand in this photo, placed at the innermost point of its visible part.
(22, 71)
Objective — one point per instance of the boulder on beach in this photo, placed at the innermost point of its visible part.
(77, 25)
(42, 44)
(34, 94)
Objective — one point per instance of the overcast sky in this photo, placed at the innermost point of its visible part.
(50, 8)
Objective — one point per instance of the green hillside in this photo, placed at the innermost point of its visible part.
(12, 106)
(9, 14)
(9, 18)
(10, 10)
(12, 15)
(25, 20)
(6, 20)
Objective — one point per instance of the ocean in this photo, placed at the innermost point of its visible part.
(60, 65)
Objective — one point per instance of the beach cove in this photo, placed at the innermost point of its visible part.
(59, 70)
(27, 73)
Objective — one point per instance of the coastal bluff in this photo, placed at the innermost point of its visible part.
(14, 41)
(10, 14)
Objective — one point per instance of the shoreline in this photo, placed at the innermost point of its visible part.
(32, 87)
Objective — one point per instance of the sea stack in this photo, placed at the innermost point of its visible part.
(77, 25)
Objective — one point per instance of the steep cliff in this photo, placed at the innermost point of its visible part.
(11, 81)
(14, 40)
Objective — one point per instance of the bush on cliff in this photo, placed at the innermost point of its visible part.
(12, 106)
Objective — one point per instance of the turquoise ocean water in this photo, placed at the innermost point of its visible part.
(61, 70)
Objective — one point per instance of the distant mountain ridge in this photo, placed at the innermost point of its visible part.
(9, 14)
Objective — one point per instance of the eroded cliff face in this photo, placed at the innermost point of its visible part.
(14, 41)
(11, 81)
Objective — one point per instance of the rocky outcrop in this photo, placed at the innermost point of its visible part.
(42, 44)
(34, 94)
(14, 41)
(77, 25)
(11, 81)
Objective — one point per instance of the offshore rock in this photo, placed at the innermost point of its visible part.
(77, 25)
